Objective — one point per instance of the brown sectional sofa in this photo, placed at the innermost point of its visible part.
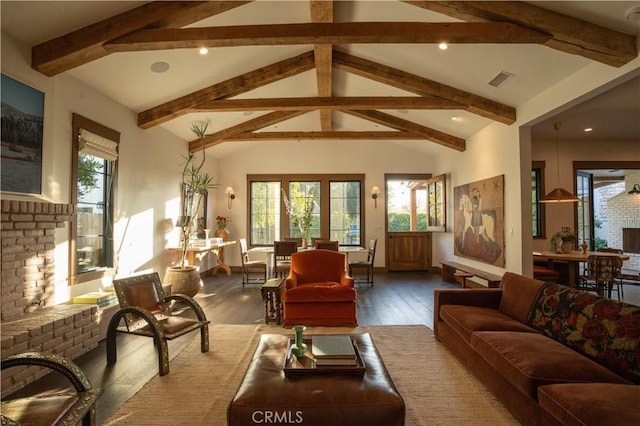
(551, 354)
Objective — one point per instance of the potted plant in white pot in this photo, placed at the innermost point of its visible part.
(563, 241)
(185, 278)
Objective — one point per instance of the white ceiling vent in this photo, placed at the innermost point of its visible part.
(500, 79)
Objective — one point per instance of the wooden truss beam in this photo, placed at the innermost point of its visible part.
(423, 87)
(325, 33)
(86, 44)
(568, 34)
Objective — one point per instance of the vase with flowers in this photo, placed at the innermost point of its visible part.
(222, 231)
(300, 209)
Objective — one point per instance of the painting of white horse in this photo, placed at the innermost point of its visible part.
(479, 220)
(485, 227)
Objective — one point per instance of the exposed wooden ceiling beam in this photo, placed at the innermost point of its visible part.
(232, 87)
(433, 135)
(325, 33)
(338, 135)
(328, 103)
(569, 34)
(247, 126)
(422, 86)
(86, 44)
(322, 11)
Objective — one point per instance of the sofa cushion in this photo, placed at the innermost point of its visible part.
(592, 403)
(320, 292)
(530, 360)
(606, 330)
(467, 319)
(518, 294)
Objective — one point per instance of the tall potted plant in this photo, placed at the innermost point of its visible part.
(185, 278)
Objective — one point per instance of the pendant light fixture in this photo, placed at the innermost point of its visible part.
(558, 195)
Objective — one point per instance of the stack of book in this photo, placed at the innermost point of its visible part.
(333, 350)
(96, 298)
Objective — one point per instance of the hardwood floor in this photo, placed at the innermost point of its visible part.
(396, 298)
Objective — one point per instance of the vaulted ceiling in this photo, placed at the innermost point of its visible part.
(320, 70)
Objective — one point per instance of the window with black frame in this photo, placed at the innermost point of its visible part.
(537, 191)
(94, 175)
(311, 206)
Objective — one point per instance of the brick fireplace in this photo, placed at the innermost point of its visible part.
(28, 254)
(29, 320)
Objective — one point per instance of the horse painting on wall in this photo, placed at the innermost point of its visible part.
(479, 220)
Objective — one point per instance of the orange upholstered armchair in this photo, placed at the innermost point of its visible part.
(318, 290)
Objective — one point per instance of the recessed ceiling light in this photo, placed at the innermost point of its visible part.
(588, 129)
(443, 46)
(159, 67)
(203, 50)
(455, 118)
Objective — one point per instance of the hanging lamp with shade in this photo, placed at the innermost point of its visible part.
(559, 194)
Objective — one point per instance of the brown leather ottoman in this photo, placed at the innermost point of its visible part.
(267, 396)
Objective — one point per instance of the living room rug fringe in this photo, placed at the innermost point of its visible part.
(436, 388)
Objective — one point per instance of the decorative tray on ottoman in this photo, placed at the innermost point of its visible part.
(307, 364)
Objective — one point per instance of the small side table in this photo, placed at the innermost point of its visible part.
(270, 291)
(464, 276)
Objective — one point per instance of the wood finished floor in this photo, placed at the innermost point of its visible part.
(396, 298)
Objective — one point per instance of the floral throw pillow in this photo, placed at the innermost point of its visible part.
(606, 330)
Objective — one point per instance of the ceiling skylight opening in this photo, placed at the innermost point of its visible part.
(588, 129)
(501, 79)
(203, 51)
(443, 46)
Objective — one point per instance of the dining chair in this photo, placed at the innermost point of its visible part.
(282, 251)
(367, 264)
(327, 245)
(249, 267)
(616, 282)
(298, 240)
(601, 275)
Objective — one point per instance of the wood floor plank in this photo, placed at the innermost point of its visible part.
(397, 298)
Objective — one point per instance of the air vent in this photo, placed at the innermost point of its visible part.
(500, 79)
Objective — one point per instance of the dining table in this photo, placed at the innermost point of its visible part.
(573, 259)
(268, 250)
(195, 253)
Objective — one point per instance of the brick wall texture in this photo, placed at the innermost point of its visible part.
(29, 321)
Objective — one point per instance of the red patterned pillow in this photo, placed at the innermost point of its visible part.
(606, 330)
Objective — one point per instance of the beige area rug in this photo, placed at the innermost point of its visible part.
(436, 388)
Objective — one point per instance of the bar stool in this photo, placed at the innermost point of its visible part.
(464, 276)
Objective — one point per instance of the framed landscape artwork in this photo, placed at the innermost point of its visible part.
(479, 220)
(22, 127)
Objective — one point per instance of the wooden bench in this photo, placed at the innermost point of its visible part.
(630, 274)
(450, 268)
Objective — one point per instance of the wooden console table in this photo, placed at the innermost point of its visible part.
(195, 254)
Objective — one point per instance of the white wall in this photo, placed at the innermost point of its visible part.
(501, 149)
(148, 197)
(371, 158)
